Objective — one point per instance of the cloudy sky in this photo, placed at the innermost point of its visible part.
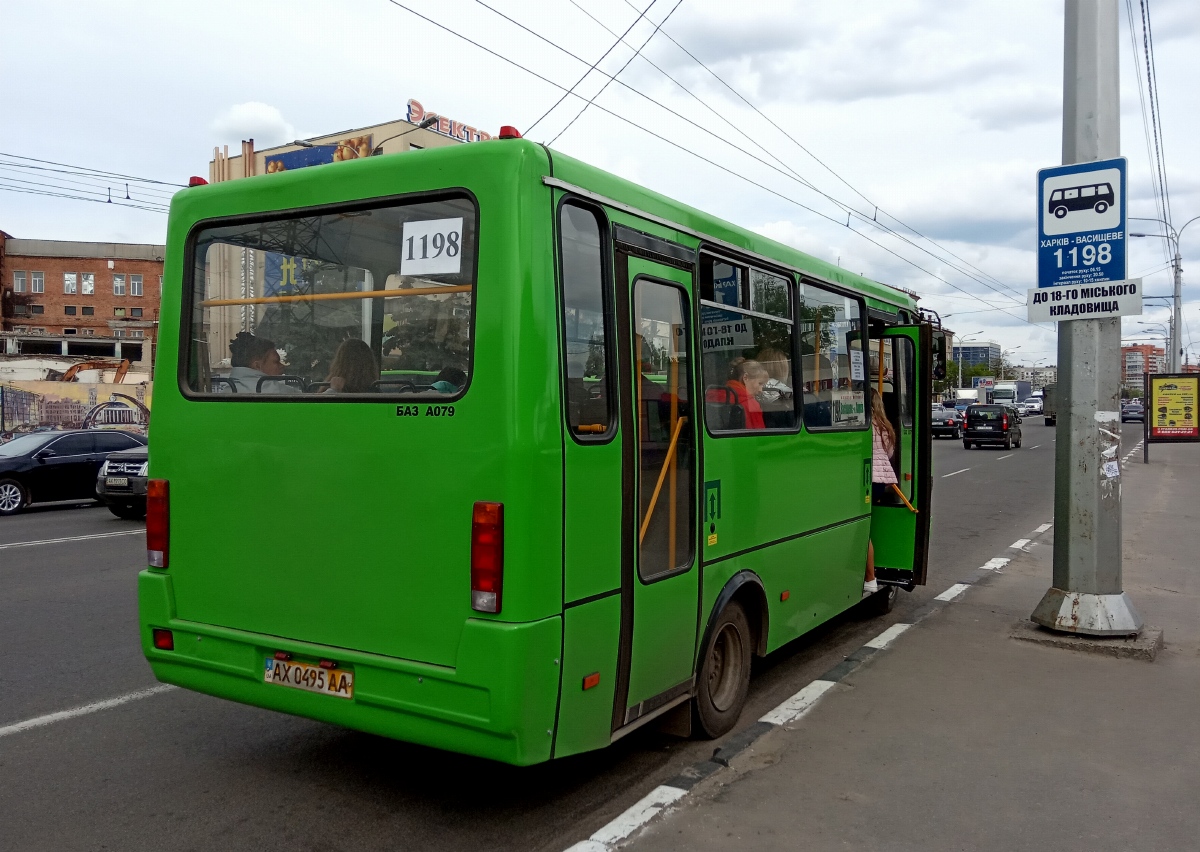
(938, 114)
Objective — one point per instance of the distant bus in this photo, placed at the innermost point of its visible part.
(1095, 196)
(486, 467)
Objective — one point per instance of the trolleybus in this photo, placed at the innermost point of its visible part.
(486, 449)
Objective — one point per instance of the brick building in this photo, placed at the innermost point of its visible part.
(97, 300)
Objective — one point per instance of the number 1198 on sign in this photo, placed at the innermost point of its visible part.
(432, 247)
(1089, 254)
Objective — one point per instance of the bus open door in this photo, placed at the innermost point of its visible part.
(901, 364)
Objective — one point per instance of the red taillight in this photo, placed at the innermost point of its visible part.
(158, 523)
(509, 132)
(1004, 423)
(487, 556)
(196, 180)
(163, 639)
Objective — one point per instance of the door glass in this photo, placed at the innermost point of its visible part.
(589, 413)
(72, 445)
(666, 458)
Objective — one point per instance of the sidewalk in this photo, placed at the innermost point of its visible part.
(960, 737)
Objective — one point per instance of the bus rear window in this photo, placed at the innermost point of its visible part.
(337, 305)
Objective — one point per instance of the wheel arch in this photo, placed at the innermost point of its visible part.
(746, 588)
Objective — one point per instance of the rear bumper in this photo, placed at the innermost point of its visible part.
(976, 436)
(498, 701)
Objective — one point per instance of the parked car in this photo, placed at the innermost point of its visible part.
(121, 483)
(1133, 411)
(947, 421)
(992, 424)
(41, 467)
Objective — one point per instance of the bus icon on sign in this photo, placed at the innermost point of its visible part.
(1094, 196)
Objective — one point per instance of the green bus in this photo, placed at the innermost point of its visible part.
(486, 449)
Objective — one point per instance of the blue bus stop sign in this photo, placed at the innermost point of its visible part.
(1081, 223)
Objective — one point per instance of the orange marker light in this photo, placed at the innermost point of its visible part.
(786, 594)
(591, 680)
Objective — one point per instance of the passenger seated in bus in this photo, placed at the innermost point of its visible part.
(883, 473)
(746, 380)
(450, 380)
(779, 373)
(354, 368)
(251, 358)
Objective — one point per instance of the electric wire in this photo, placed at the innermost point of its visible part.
(698, 156)
(784, 169)
(88, 179)
(95, 171)
(1137, 70)
(568, 92)
(821, 162)
(636, 54)
(1155, 107)
(5, 188)
(78, 187)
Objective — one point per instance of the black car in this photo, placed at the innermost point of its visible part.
(1133, 411)
(992, 424)
(42, 467)
(948, 422)
(121, 483)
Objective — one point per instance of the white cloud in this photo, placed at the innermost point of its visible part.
(255, 120)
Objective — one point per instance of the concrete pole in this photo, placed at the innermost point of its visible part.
(1087, 595)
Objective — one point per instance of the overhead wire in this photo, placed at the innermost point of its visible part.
(78, 186)
(5, 188)
(90, 179)
(783, 169)
(94, 171)
(568, 92)
(636, 54)
(819, 161)
(686, 150)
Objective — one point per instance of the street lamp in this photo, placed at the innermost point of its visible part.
(1003, 353)
(962, 343)
(1172, 237)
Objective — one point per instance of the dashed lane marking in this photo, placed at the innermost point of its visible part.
(1019, 544)
(11, 545)
(654, 803)
(1035, 446)
(799, 704)
(953, 592)
(887, 637)
(994, 564)
(63, 715)
(1002, 458)
(956, 473)
(1043, 528)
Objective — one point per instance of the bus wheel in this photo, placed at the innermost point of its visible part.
(724, 678)
(882, 602)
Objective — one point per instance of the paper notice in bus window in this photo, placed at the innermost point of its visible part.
(856, 366)
(432, 247)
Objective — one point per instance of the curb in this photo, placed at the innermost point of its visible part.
(665, 797)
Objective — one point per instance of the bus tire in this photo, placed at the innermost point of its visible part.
(724, 677)
(882, 602)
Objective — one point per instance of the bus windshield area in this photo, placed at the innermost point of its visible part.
(360, 302)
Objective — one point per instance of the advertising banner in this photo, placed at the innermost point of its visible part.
(29, 406)
(1170, 408)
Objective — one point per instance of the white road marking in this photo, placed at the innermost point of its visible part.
(887, 637)
(70, 538)
(1043, 528)
(798, 704)
(1002, 458)
(994, 564)
(1019, 543)
(953, 592)
(654, 803)
(63, 715)
(1035, 446)
(956, 473)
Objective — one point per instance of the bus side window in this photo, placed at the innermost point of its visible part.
(585, 330)
(832, 361)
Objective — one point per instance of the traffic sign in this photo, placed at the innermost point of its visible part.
(1089, 301)
(1081, 223)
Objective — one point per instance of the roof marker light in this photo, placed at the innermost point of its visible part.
(196, 180)
(509, 132)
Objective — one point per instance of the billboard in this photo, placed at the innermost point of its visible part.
(319, 155)
(38, 406)
(1170, 408)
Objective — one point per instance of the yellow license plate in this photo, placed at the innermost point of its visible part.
(335, 682)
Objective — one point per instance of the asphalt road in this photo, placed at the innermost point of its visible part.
(184, 771)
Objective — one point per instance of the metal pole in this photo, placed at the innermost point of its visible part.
(1176, 336)
(1087, 595)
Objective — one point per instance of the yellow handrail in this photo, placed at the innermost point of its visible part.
(325, 297)
(662, 475)
(905, 499)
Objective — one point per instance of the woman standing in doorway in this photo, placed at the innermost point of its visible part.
(883, 474)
